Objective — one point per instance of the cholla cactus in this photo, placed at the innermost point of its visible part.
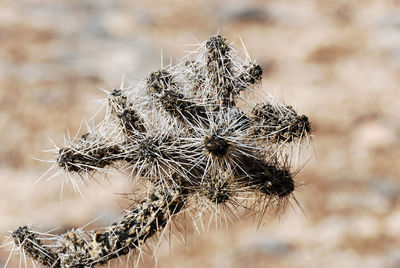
(189, 132)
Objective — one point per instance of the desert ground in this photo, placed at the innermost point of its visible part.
(337, 61)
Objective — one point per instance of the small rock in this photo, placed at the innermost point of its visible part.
(269, 246)
(272, 247)
(386, 188)
(248, 14)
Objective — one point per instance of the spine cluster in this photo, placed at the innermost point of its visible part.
(189, 132)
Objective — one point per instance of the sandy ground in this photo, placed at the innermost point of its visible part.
(336, 61)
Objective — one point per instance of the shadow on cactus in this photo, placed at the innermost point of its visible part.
(192, 134)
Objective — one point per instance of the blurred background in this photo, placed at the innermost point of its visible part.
(336, 61)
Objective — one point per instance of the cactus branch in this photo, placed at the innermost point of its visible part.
(182, 131)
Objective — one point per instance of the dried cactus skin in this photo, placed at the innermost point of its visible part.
(84, 158)
(277, 124)
(162, 87)
(77, 248)
(133, 229)
(188, 133)
(33, 247)
(219, 67)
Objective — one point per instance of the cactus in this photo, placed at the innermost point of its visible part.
(191, 134)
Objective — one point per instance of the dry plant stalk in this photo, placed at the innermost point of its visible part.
(190, 133)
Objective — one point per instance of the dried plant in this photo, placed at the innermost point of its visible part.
(193, 136)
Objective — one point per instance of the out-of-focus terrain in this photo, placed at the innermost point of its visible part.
(336, 61)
